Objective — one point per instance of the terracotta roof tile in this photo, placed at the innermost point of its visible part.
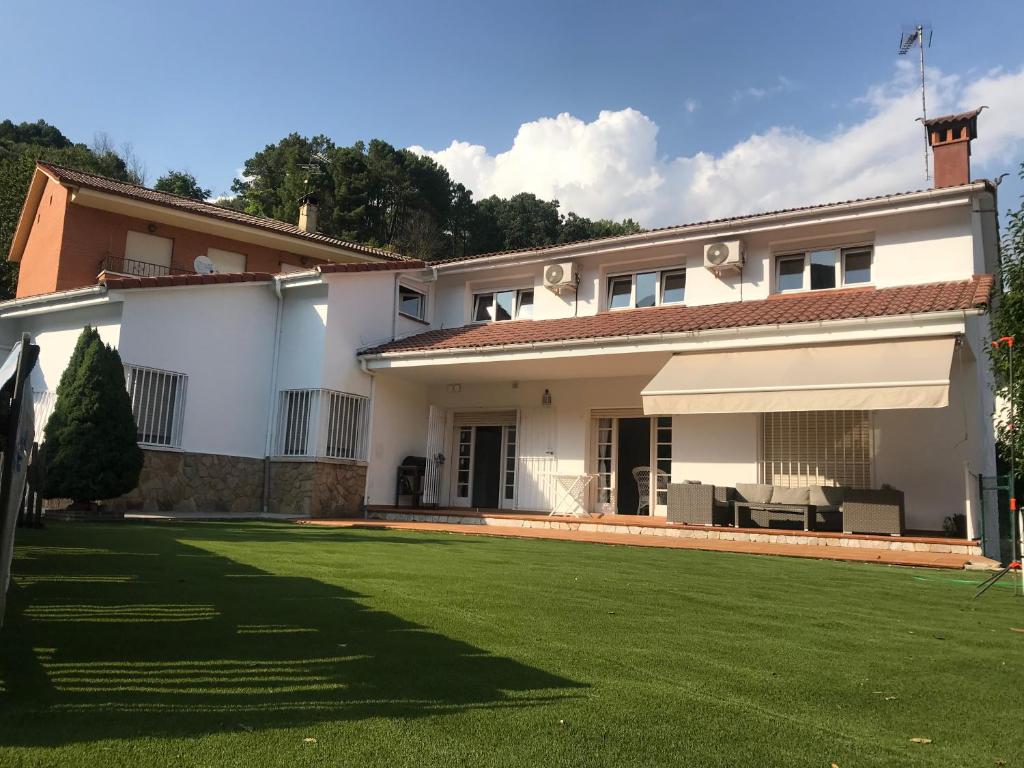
(146, 195)
(121, 282)
(784, 309)
(370, 266)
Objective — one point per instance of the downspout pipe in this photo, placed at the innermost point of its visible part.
(272, 395)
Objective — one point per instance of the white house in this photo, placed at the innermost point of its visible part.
(837, 344)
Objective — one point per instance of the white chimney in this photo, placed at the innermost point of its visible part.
(308, 210)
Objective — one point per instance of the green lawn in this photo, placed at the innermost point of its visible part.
(240, 644)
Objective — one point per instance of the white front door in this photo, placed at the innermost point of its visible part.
(484, 471)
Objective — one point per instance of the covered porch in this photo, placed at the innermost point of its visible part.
(501, 433)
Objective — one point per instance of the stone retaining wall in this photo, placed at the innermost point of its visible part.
(190, 482)
(317, 488)
(174, 481)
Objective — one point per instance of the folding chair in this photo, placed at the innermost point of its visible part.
(573, 496)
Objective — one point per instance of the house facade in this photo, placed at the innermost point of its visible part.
(837, 344)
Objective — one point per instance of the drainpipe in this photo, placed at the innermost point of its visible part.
(272, 397)
(369, 433)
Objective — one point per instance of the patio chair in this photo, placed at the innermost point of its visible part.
(700, 504)
(871, 510)
(642, 475)
(572, 495)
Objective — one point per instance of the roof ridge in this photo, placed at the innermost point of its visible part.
(203, 207)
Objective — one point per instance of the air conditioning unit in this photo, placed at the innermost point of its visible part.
(723, 255)
(560, 276)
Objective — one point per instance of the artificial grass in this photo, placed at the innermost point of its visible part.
(210, 644)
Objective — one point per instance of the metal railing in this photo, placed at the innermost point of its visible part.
(125, 266)
(322, 423)
(158, 404)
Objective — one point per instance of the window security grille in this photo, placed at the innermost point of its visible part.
(158, 400)
(801, 448)
(322, 423)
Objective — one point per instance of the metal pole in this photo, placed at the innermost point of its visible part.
(924, 107)
(1015, 526)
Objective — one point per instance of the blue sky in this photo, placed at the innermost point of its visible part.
(203, 85)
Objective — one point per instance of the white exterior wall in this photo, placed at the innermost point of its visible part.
(222, 338)
(300, 362)
(57, 333)
(914, 247)
(398, 429)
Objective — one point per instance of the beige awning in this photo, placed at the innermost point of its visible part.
(909, 373)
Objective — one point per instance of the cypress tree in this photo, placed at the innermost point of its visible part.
(90, 440)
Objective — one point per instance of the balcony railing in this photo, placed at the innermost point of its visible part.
(123, 266)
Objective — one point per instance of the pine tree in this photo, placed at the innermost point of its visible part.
(90, 440)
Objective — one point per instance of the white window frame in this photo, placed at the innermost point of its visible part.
(517, 304)
(168, 417)
(659, 286)
(422, 318)
(840, 267)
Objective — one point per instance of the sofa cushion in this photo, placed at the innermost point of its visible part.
(755, 493)
(782, 495)
(826, 495)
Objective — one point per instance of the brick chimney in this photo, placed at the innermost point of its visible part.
(308, 211)
(950, 138)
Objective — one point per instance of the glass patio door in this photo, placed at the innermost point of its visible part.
(612, 467)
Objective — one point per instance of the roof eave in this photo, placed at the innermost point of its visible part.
(426, 356)
(28, 213)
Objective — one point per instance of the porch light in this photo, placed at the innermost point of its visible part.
(545, 399)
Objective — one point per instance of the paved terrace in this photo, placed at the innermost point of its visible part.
(921, 551)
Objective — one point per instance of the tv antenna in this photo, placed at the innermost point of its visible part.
(921, 36)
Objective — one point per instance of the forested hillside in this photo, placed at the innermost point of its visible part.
(369, 193)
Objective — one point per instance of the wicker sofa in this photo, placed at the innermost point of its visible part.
(817, 508)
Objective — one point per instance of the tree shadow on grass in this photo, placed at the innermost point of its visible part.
(151, 637)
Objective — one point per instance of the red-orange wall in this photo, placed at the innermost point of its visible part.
(41, 257)
(68, 244)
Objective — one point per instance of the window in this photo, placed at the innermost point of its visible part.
(322, 423)
(647, 289)
(465, 462)
(816, 448)
(510, 464)
(284, 268)
(158, 404)
(791, 273)
(663, 456)
(605, 458)
(822, 269)
(673, 287)
(143, 252)
(510, 304)
(856, 266)
(226, 261)
(412, 303)
(620, 292)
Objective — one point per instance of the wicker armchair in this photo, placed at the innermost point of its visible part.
(699, 504)
(868, 510)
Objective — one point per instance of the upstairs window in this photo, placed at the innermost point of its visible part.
(226, 262)
(412, 303)
(512, 304)
(822, 269)
(647, 289)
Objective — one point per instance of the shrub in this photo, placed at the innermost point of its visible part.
(90, 440)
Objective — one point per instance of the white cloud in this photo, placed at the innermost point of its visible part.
(691, 105)
(611, 167)
(756, 93)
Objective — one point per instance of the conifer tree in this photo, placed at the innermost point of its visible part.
(90, 440)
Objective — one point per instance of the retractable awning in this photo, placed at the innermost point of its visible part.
(908, 373)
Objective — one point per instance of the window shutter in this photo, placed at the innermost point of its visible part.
(800, 448)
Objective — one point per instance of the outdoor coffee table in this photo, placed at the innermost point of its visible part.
(763, 514)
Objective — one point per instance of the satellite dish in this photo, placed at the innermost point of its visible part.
(554, 274)
(203, 265)
(717, 254)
